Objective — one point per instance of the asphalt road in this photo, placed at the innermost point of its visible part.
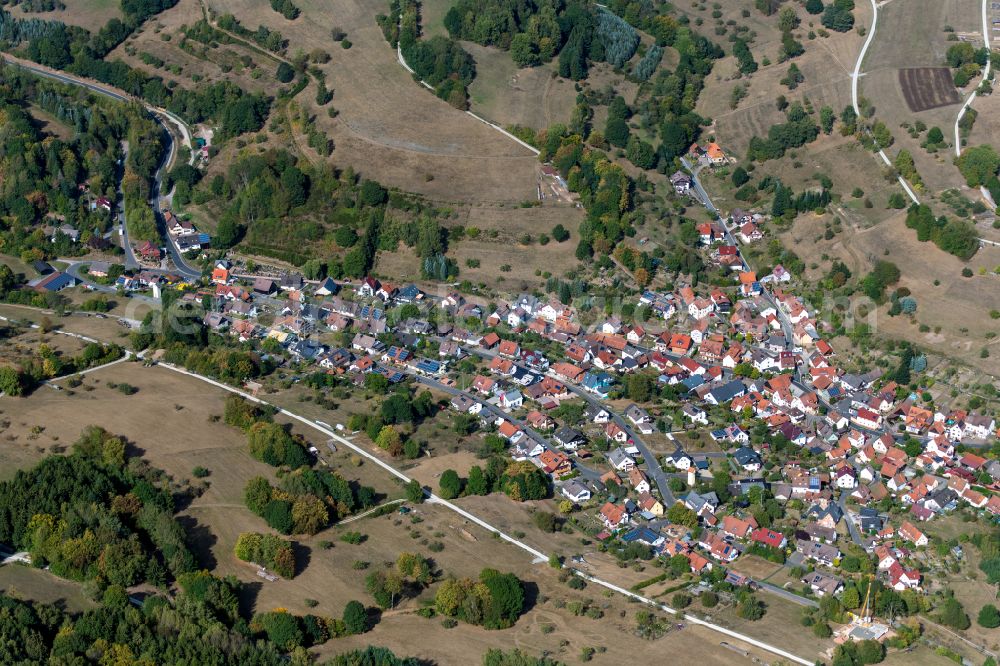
(699, 190)
(855, 533)
(652, 464)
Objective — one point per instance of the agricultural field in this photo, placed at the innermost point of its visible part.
(926, 88)
(89, 14)
(901, 77)
(389, 127)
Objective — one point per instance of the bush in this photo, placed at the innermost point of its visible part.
(450, 485)
(355, 617)
(822, 630)
(989, 617)
(267, 550)
(285, 73)
(353, 538)
(952, 614)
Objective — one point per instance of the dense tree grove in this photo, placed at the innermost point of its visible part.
(93, 515)
(883, 275)
(306, 500)
(798, 131)
(838, 15)
(604, 188)
(648, 63)
(619, 39)
(440, 61)
(267, 550)
(286, 8)
(200, 625)
(744, 58)
(957, 237)
(979, 165)
(495, 601)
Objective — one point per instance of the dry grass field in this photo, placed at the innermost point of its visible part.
(24, 582)
(499, 245)
(987, 125)
(508, 95)
(49, 124)
(843, 159)
(780, 626)
(826, 66)
(910, 35)
(547, 629)
(186, 436)
(161, 37)
(389, 127)
(89, 14)
(955, 308)
(432, 17)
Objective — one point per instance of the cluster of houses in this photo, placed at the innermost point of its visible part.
(755, 353)
(184, 234)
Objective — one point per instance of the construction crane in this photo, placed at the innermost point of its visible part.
(866, 608)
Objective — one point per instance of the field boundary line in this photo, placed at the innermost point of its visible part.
(434, 499)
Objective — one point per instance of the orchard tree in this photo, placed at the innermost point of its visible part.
(450, 485)
(989, 617)
(414, 492)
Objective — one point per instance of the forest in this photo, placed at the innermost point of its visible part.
(53, 177)
(96, 515)
(199, 625)
(260, 193)
(80, 52)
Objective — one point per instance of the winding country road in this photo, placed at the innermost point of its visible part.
(958, 142)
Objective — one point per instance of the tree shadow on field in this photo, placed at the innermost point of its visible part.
(530, 595)
(248, 598)
(200, 539)
(303, 555)
(133, 450)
